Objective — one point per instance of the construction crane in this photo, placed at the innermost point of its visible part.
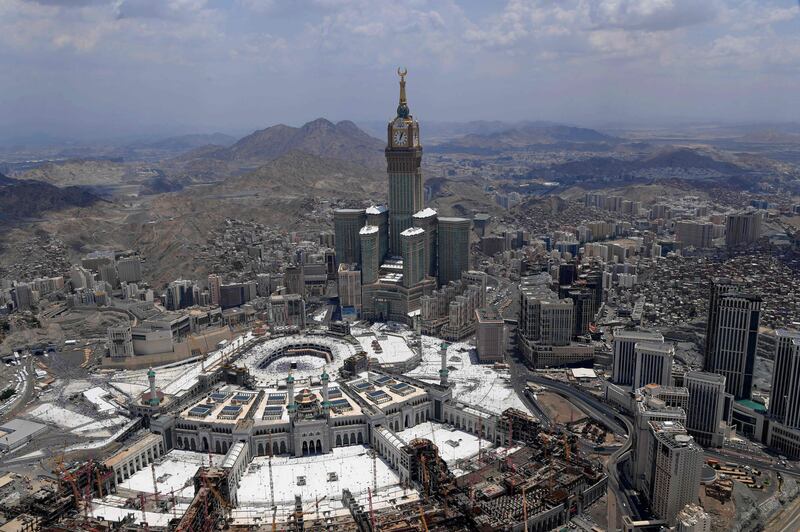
(422, 518)
(371, 511)
(155, 481)
(524, 509)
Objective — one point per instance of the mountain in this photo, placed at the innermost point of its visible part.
(343, 140)
(528, 136)
(183, 143)
(20, 199)
(672, 162)
(302, 173)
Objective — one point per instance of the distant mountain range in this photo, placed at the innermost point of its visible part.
(321, 137)
(528, 136)
(21, 199)
(672, 159)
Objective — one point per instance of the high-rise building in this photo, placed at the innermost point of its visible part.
(404, 159)
(452, 248)
(370, 253)
(733, 341)
(719, 286)
(699, 235)
(349, 281)
(378, 216)
(743, 228)
(784, 404)
(414, 254)
(22, 295)
(129, 269)
(181, 294)
(346, 225)
(287, 310)
(583, 302)
(653, 364)
(108, 274)
(707, 407)
(120, 341)
(490, 335)
(653, 403)
(214, 284)
(624, 365)
(426, 219)
(673, 479)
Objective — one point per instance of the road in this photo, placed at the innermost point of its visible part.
(620, 425)
(27, 391)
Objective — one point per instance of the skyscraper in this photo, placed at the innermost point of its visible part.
(743, 228)
(673, 479)
(214, 284)
(346, 225)
(719, 286)
(378, 216)
(784, 404)
(653, 364)
(452, 248)
(734, 341)
(625, 341)
(404, 159)
(426, 219)
(707, 405)
(413, 245)
(370, 253)
(490, 335)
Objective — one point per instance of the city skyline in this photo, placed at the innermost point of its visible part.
(96, 68)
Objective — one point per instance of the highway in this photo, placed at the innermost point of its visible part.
(620, 425)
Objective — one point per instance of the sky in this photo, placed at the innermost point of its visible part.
(109, 68)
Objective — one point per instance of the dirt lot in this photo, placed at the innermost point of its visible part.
(559, 409)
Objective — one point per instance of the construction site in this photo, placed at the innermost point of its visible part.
(234, 443)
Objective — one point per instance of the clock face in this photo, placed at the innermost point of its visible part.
(399, 137)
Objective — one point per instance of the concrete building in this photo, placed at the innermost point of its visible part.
(17, 432)
(734, 340)
(743, 228)
(490, 336)
(378, 216)
(452, 248)
(370, 253)
(696, 234)
(346, 226)
(693, 518)
(120, 341)
(624, 343)
(414, 256)
(23, 297)
(181, 294)
(426, 219)
(129, 269)
(349, 280)
(784, 404)
(215, 288)
(653, 364)
(673, 479)
(709, 407)
(287, 310)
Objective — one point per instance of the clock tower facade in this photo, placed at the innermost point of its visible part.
(404, 160)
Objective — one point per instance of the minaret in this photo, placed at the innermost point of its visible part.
(443, 371)
(151, 376)
(290, 391)
(325, 379)
(326, 404)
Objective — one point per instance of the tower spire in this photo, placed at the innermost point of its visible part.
(402, 108)
(402, 73)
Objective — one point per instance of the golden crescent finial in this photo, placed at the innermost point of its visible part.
(402, 72)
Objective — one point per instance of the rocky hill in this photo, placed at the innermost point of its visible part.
(301, 173)
(343, 140)
(529, 136)
(23, 199)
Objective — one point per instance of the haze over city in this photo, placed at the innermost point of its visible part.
(93, 69)
(409, 266)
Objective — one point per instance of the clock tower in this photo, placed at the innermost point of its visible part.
(403, 159)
